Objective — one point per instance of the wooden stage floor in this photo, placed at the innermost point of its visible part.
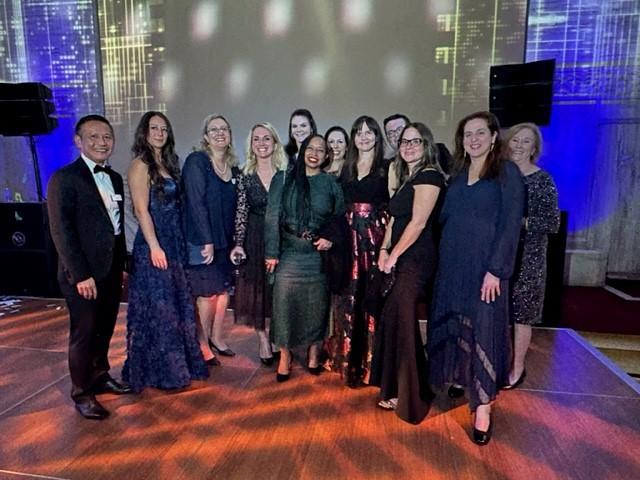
(576, 416)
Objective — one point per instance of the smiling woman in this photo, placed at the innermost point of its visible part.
(481, 216)
(299, 215)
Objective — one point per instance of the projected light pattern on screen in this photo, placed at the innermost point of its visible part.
(257, 61)
(53, 43)
(596, 93)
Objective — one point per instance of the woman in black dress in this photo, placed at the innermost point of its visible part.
(409, 251)
(265, 157)
(468, 339)
(364, 182)
(541, 218)
(301, 126)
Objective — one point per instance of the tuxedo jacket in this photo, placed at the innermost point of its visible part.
(80, 224)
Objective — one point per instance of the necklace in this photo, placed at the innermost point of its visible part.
(269, 175)
(221, 172)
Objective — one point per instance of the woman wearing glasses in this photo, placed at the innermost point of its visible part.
(212, 190)
(364, 182)
(302, 206)
(399, 363)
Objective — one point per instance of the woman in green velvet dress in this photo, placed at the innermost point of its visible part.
(303, 204)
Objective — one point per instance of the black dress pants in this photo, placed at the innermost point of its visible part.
(91, 326)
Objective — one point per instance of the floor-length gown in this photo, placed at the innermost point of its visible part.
(399, 364)
(162, 345)
(350, 345)
(467, 339)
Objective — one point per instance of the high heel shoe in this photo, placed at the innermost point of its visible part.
(482, 438)
(227, 352)
(455, 391)
(283, 377)
(511, 386)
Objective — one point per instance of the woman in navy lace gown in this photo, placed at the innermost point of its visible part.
(162, 344)
(468, 330)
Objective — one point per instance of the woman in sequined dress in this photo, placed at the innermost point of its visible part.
(541, 218)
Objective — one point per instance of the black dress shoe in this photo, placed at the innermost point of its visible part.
(480, 437)
(511, 386)
(314, 370)
(112, 386)
(213, 362)
(91, 409)
(455, 391)
(267, 362)
(227, 352)
(282, 377)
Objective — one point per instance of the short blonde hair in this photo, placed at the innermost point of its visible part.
(230, 157)
(537, 136)
(279, 160)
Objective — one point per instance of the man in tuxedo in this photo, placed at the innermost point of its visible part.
(86, 210)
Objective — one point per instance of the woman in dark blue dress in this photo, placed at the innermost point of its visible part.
(468, 339)
(212, 185)
(162, 344)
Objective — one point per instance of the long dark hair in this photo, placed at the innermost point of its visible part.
(291, 149)
(350, 169)
(496, 157)
(429, 158)
(297, 186)
(142, 150)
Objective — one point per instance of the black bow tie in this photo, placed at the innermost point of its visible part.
(100, 168)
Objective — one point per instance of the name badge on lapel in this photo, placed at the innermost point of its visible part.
(116, 197)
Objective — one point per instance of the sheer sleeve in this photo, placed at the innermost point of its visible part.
(242, 211)
(505, 242)
(272, 217)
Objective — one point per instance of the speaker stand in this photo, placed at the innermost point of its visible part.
(36, 167)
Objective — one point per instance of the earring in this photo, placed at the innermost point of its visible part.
(492, 144)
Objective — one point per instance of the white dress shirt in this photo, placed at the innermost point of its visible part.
(107, 192)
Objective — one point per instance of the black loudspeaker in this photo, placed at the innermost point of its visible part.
(27, 254)
(552, 309)
(522, 93)
(27, 109)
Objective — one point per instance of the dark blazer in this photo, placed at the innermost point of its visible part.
(80, 225)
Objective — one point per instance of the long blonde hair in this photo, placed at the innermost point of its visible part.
(279, 160)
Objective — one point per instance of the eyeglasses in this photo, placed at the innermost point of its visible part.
(216, 130)
(414, 142)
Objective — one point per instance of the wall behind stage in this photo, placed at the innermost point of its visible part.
(259, 60)
(593, 143)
